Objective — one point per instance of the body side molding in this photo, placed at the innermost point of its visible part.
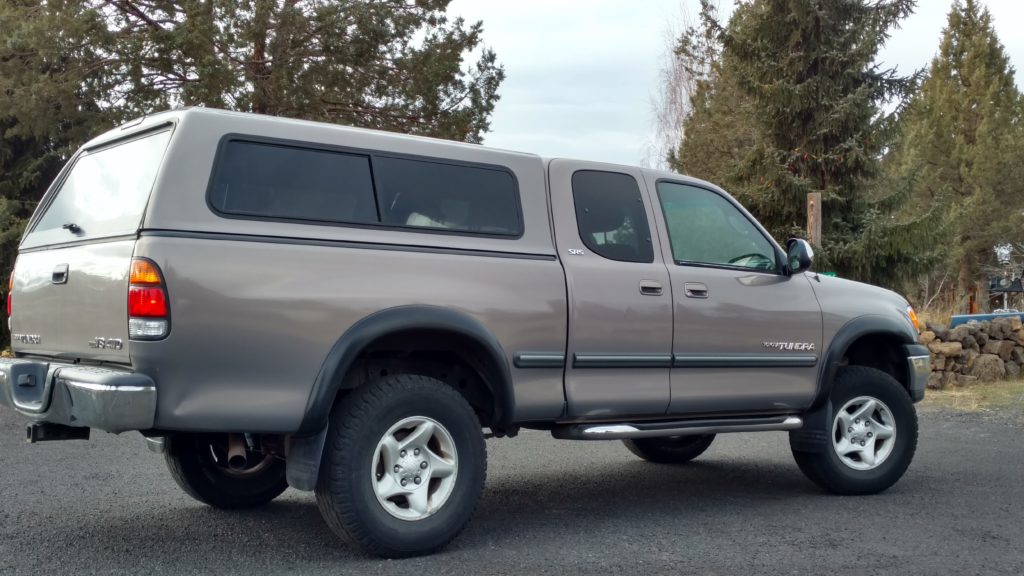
(744, 360)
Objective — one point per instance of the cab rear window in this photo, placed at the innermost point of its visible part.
(104, 194)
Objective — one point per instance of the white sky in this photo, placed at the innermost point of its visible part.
(581, 74)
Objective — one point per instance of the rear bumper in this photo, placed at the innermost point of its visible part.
(918, 369)
(114, 400)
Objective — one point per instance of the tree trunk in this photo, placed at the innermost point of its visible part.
(963, 287)
(259, 66)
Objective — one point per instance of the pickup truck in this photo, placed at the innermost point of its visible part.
(277, 303)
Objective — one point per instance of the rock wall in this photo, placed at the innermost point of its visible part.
(975, 352)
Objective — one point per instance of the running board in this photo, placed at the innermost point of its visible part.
(606, 431)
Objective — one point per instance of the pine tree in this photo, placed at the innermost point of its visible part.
(964, 141)
(798, 99)
(718, 129)
(72, 68)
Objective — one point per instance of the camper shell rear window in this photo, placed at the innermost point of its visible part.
(104, 194)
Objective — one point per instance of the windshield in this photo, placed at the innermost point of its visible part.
(105, 193)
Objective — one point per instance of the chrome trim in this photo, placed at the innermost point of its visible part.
(538, 360)
(744, 360)
(585, 360)
(621, 431)
(111, 408)
(110, 399)
(918, 370)
(157, 445)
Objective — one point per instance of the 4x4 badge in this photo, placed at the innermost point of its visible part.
(106, 343)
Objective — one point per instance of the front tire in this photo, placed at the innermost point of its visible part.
(198, 464)
(403, 468)
(872, 435)
(670, 450)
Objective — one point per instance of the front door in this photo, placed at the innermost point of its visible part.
(747, 336)
(620, 300)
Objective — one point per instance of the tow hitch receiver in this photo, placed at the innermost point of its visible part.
(45, 432)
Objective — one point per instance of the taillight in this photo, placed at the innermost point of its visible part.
(10, 293)
(148, 310)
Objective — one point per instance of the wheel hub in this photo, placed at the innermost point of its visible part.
(415, 466)
(863, 433)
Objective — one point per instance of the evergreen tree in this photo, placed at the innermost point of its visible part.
(798, 101)
(718, 131)
(964, 142)
(72, 68)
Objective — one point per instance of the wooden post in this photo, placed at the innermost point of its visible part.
(814, 218)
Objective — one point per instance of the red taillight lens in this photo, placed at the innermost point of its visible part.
(10, 293)
(148, 310)
(146, 302)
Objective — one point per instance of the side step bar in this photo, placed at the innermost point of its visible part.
(606, 431)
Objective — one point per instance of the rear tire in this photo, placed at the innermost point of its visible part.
(872, 435)
(198, 464)
(403, 468)
(671, 449)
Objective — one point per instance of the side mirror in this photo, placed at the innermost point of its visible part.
(799, 255)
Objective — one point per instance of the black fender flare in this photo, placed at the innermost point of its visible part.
(329, 380)
(818, 417)
(874, 324)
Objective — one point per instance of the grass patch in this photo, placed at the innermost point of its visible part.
(978, 398)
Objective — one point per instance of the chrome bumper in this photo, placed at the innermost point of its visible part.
(919, 367)
(107, 399)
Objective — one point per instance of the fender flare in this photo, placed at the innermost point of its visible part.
(875, 324)
(350, 345)
(814, 436)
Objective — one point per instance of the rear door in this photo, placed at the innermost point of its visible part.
(71, 277)
(620, 300)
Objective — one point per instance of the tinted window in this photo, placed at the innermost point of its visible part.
(705, 228)
(611, 216)
(104, 194)
(267, 180)
(447, 197)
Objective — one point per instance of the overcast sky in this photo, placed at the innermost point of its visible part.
(581, 74)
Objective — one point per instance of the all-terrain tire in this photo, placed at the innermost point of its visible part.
(670, 450)
(198, 469)
(828, 469)
(351, 470)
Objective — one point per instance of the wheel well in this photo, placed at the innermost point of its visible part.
(882, 352)
(453, 358)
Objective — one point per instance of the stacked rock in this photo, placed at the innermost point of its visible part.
(983, 351)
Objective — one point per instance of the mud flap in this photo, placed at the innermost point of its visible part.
(303, 460)
(814, 436)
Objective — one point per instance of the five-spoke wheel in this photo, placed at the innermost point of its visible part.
(864, 433)
(415, 468)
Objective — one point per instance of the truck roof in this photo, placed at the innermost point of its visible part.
(199, 111)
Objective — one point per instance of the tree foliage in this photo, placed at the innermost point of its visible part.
(72, 68)
(963, 141)
(794, 102)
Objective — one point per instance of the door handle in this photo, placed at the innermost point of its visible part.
(650, 288)
(60, 274)
(695, 290)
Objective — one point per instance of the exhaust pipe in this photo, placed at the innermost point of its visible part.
(236, 452)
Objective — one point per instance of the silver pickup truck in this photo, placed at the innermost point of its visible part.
(277, 303)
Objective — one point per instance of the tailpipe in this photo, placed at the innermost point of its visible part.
(237, 458)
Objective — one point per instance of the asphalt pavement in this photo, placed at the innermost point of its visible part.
(108, 506)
